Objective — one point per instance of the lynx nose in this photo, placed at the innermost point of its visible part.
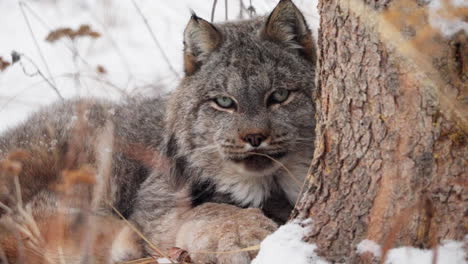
(254, 139)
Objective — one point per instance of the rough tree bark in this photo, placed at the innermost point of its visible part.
(391, 156)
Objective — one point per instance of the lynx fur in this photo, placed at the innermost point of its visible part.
(213, 166)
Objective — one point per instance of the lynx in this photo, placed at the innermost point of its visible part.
(212, 167)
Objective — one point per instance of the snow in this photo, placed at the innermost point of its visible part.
(164, 261)
(460, 3)
(445, 22)
(286, 246)
(126, 50)
(369, 246)
(448, 252)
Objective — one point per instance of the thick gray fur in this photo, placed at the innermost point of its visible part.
(188, 133)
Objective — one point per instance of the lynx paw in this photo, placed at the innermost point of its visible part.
(220, 232)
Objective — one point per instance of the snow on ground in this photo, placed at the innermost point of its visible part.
(126, 50)
(286, 246)
(449, 252)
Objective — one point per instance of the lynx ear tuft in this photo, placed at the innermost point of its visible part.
(200, 39)
(287, 25)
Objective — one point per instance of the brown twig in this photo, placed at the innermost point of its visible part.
(241, 9)
(226, 9)
(4, 64)
(69, 46)
(38, 72)
(251, 10)
(213, 10)
(114, 44)
(155, 40)
(54, 86)
(138, 232)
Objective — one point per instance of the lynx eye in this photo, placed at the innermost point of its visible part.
(278, 96)
(224, 102)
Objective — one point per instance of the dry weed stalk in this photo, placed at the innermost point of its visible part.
(19, 220)
(226, 10)
(17, 57)
(159, 252)
(39, 51)
(10, 168)
(73, 35)
(72, 230)
(251, 10)
(155, 40)
(82, 31)
(213, 10)
(4, 64)
(101, 70)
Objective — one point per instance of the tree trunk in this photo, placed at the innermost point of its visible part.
(391, 156)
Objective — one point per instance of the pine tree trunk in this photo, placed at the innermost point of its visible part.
(391, 156)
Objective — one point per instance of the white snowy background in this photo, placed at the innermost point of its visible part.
(134, 63)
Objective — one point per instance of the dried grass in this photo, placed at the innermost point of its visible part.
(81, 32)
(4, 64)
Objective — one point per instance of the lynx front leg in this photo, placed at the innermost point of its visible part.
(216, 233)
(168, 219)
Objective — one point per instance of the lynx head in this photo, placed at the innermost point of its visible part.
(247, 94)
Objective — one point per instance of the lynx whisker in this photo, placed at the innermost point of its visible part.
(303, 141)
(290, 127)
(306, 179)
(305, 138)
(279, 163)
(204, 149)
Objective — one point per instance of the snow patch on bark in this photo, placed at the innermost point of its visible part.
(369, 246)
(446, 25)
(286, 246)
(449, 252)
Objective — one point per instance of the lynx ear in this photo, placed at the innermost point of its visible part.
(287, 25)
(200, 39)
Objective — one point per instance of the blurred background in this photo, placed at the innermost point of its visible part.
(102, 48)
